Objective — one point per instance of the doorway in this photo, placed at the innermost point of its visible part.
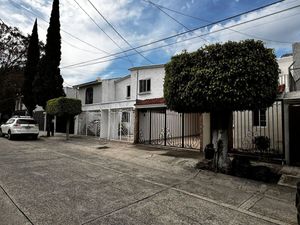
(294, 131)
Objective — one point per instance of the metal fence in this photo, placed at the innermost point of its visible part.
(89, 123)
(121, 125)
(169, 128)
(259, 132)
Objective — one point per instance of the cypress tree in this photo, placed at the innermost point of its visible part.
(30, 72)
(49, 82)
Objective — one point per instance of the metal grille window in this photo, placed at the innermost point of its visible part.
(89, 95)
(128, 91)
(145, 86)
(259, 118)
(125, 117)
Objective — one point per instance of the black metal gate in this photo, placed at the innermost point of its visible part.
(169, 128)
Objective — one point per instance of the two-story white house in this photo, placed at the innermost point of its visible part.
(132, 108)
(108, 105)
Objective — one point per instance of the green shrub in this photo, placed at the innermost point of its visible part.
(63, 106)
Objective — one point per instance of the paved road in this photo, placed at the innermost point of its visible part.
(84, 181)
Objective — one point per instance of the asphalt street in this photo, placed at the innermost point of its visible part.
(86, 181)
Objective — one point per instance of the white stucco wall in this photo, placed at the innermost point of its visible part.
(121, 89)
(97, 93)
(108, 90)
(70, 92)
(284, 64)
(156, 75)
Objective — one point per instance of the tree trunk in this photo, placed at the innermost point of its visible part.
(48, 125)
(67, 128)
(221, 125)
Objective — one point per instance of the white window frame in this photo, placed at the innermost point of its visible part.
(144, 86)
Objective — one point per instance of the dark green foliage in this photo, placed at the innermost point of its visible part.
(49, 83)
(31, 69)
(66, 107)
(13, 48)
(222, 77)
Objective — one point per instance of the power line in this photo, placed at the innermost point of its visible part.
(163, 46)
(19, 7)
(177, 21)
(179, 34)
(103, 31)
(45, 29)
(119, 33)
(208, 21)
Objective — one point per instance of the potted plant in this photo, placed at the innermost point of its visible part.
(262, 143)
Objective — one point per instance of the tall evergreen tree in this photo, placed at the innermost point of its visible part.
(30, 72)
(49, 82)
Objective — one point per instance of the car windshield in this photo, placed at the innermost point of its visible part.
(24, 121)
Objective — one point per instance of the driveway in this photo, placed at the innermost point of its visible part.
(86, 181)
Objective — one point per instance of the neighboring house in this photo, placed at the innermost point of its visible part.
(132, 109)
(281, 122)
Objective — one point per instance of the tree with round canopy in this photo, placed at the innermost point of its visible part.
(219, 79)
(64, 107)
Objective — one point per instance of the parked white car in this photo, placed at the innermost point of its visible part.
(20, 126)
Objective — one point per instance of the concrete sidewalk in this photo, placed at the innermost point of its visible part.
(87, 181)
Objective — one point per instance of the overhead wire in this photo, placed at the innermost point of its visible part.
(103, 31)
(152, 49)
(209, 21)
(168, 15)
(63, 30)
(178, 41)
(118, 33)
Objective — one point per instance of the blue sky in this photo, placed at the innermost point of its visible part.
(140, 22)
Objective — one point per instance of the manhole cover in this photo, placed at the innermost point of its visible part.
(289, 180)
(102, 147)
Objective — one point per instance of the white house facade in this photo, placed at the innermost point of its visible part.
(132, 109)
(108, 105)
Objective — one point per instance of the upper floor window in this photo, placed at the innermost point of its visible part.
(259, 118)
(145, 86)
(128, 91)
(89, 95)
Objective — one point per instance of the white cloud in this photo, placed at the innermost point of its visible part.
(139, 23)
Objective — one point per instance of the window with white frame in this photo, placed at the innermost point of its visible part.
(259, 117)
(145, 86)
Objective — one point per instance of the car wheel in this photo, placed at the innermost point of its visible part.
(1, 134)
(9, 135)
